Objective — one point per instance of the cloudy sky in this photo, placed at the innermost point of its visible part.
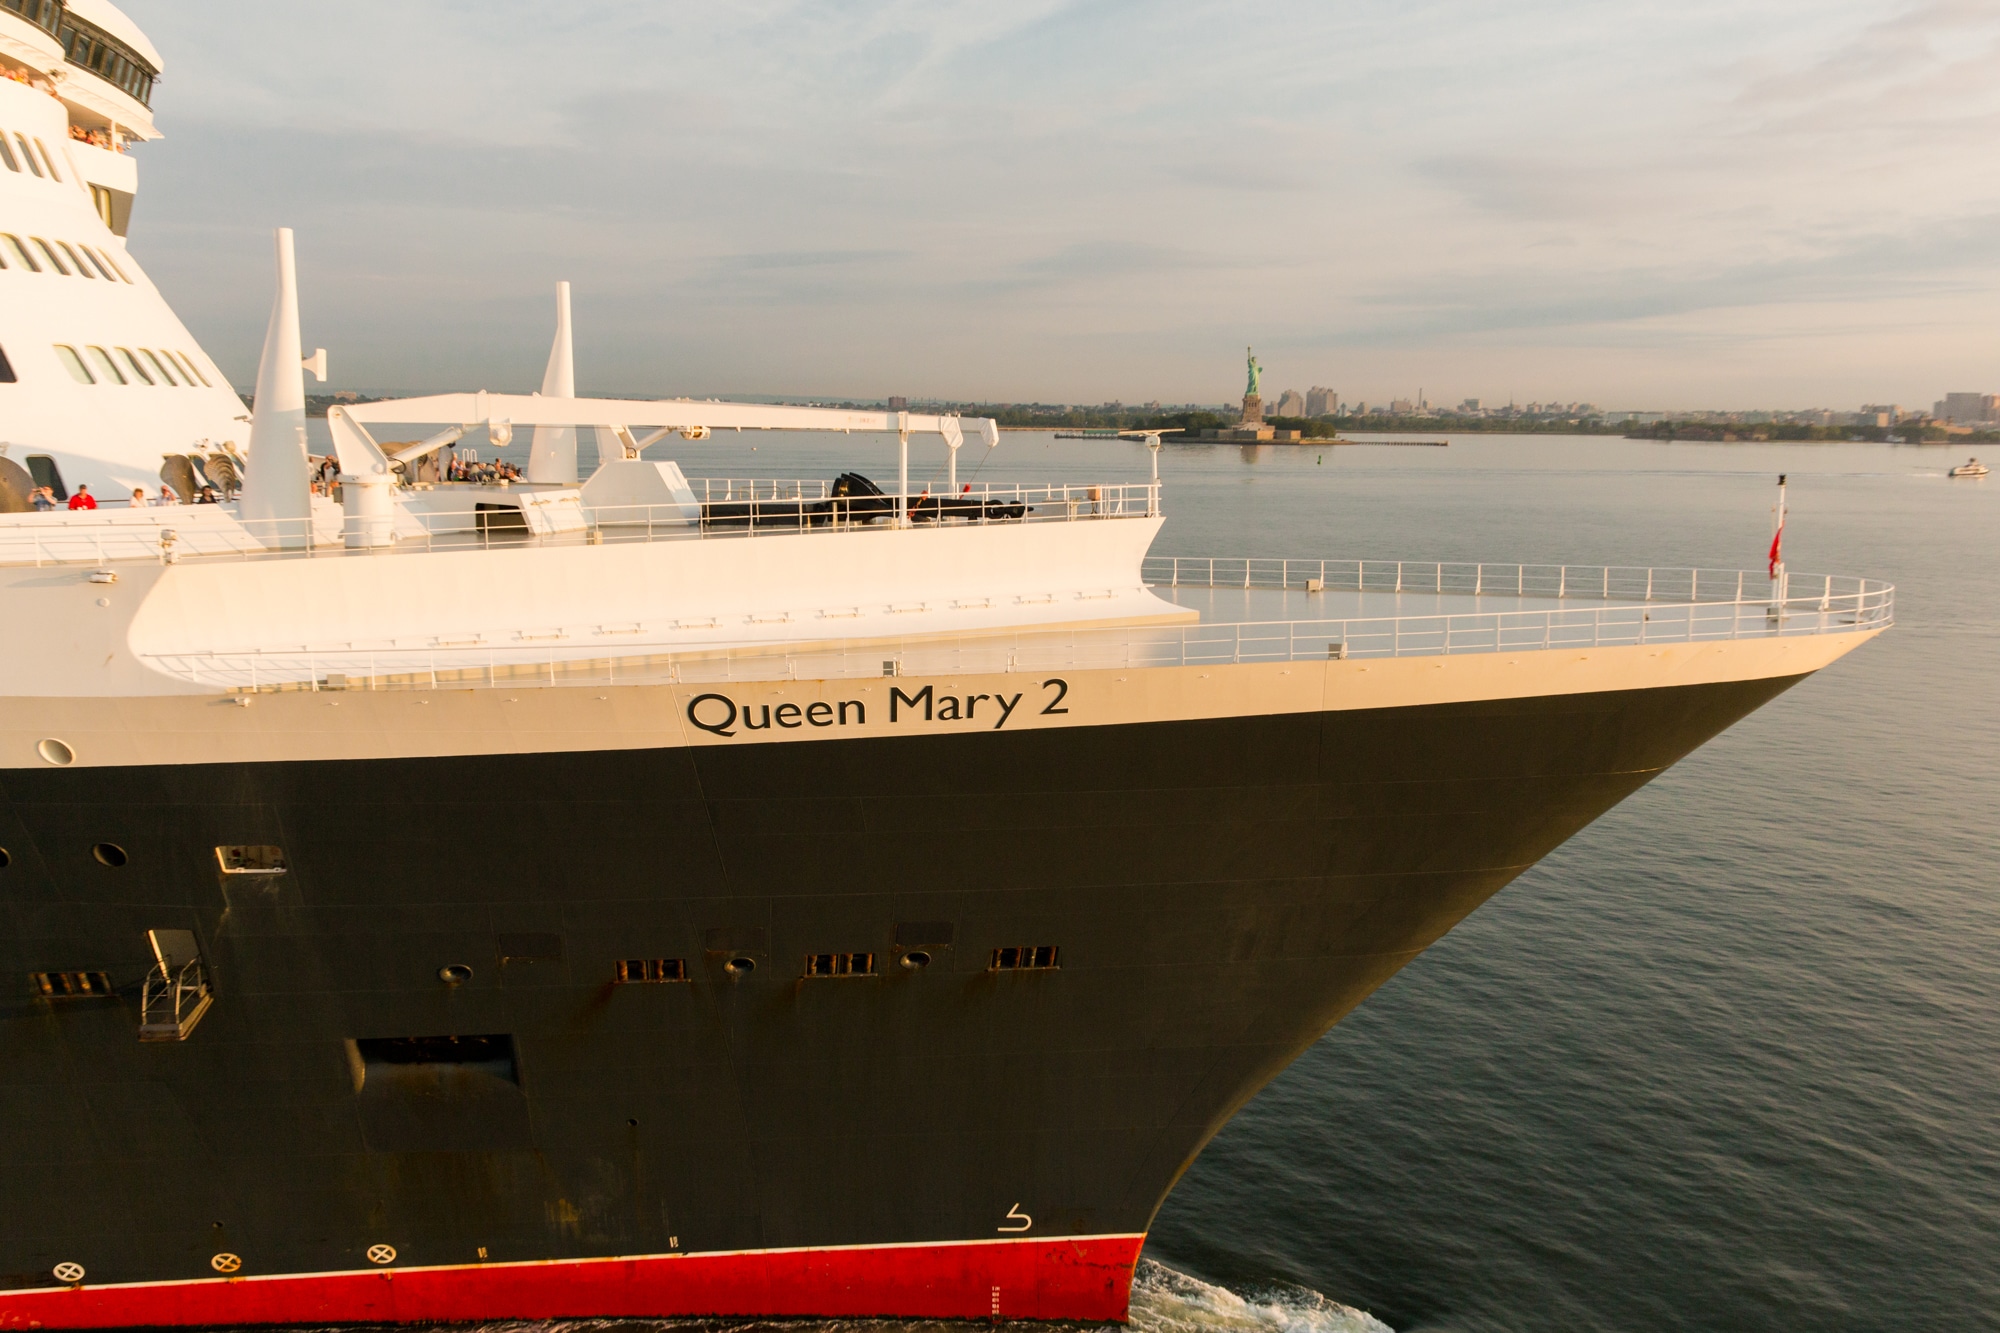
(1644, 204)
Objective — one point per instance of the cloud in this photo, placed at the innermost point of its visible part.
(970, 191)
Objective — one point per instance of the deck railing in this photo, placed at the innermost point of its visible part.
(1604, 582)
(1816, 604)
(730, 507)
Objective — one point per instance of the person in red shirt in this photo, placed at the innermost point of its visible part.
(83, 499)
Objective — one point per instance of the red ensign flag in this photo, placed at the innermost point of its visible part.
(1776, 539)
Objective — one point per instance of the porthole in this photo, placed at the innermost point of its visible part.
(740, 966)
(3, 858)
(55, 751)
(109, 854)
(916, 960)
(455, 974)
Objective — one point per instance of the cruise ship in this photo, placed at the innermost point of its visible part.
(632, 890)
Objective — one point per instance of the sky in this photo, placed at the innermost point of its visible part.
(1684, 203)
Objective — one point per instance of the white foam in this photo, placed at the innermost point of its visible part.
(1167, 1301)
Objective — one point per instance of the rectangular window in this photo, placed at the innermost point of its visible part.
(74, 364)
(45, 248)
(13, 246)
(82, 268)
(388, 1057)
(6, 368)
(7, 154)
(104, 256)
(28, 153)
(634, 970)
(70, 985)
(105, 365)
(193, 369)
(131, 363)
(50, 162)
(45, 472)
(840, 964)
(165, 374)
(96, 261)
(249, 859)
(1025, 958)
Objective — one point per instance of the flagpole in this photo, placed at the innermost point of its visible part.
(1777, 570)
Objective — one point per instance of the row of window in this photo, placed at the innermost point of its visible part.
(94, 49)
(30, 254)
(122, 365)
(40, 161)
(44, 14)
(628, 971)
(1019, 958)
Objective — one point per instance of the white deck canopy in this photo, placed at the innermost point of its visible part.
(615, 418)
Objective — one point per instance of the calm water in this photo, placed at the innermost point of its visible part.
(1730, 1059)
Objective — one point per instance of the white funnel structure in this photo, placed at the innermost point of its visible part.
(552, 456)
(277, 487)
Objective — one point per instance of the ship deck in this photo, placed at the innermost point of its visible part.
(1250, 610)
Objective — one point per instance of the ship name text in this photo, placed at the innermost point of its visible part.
(720, 715)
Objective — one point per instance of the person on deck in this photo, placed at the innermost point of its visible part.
(138, 498)
(83, 499)
(45, 499)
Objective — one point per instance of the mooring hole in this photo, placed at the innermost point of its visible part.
(740, 966)
(916, 960)
(109, 854)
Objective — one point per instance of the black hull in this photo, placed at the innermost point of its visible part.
(1221, 893)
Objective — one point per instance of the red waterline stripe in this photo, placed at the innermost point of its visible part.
(1080, 1278)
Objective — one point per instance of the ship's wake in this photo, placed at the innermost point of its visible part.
(1167, 1301)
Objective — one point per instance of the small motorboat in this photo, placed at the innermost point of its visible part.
(1971, 467)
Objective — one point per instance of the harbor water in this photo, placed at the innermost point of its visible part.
(1730, 1059)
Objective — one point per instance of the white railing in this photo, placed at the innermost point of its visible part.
(1604, 582)
(1819, 604)
(729, 507)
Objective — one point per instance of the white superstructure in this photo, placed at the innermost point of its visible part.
(101, 381)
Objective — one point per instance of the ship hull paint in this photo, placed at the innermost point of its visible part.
(1083, 1278)
(1222, 889)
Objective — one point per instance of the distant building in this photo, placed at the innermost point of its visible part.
(1290, 404)
(1402, 407)
(1968, 409)
(1469, 406)
(898, 403)
(1321, 402)
(1879, 414)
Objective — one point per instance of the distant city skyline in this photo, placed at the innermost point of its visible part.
(1774, 201)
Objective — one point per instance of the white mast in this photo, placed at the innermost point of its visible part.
(552, 455)
(277, 486)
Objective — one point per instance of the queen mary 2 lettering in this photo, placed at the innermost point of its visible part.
(642, 894)
(720, 715)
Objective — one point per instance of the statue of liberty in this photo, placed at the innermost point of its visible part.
(1256, 373)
